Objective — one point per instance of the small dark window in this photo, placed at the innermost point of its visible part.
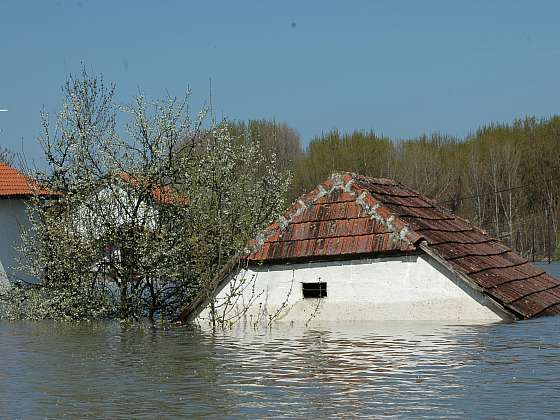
(314, 290)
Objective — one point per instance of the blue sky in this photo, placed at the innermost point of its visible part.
(401, 68)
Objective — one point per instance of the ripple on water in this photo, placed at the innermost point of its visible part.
(347, 370)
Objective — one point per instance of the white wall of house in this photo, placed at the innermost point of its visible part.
(393, 288)
(118, 205)
(13, 218)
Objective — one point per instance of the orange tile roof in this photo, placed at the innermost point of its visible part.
(163, 195)
(13, 184)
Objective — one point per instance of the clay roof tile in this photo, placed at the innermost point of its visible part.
(13, 184)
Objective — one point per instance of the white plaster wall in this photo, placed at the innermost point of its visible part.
(399, 288)
(13, 218)
(117, 203)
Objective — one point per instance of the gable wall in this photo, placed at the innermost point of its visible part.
(391, 288)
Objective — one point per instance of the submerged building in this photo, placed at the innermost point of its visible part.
(361, 249)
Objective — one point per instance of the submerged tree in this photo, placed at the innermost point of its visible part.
(146, 212)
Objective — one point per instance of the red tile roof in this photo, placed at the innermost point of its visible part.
(13, 184)
(352, 215)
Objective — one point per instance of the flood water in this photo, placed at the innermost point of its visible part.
(50, 370)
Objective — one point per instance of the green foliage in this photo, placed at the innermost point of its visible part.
(278, 141)
(234, 190)
(70, 304)
(361, 152)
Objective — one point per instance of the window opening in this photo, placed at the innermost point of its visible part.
(314, 290)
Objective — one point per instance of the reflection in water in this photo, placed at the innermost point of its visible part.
(369, 369)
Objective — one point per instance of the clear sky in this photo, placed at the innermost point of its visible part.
(400, 68)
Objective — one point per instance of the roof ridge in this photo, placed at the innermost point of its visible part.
(375, 180)
(344, 181)
(392, 221)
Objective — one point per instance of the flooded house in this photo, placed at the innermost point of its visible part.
(362, 249)
(15, 190)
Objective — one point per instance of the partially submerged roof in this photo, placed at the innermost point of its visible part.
(13, 184)
(353, 216)
(350, 215)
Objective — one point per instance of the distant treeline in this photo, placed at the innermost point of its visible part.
(504, 177)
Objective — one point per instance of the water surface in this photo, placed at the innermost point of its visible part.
(50, 370)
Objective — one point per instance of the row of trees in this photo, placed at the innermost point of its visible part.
(503, 177)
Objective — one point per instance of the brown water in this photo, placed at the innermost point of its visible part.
(50, 370)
